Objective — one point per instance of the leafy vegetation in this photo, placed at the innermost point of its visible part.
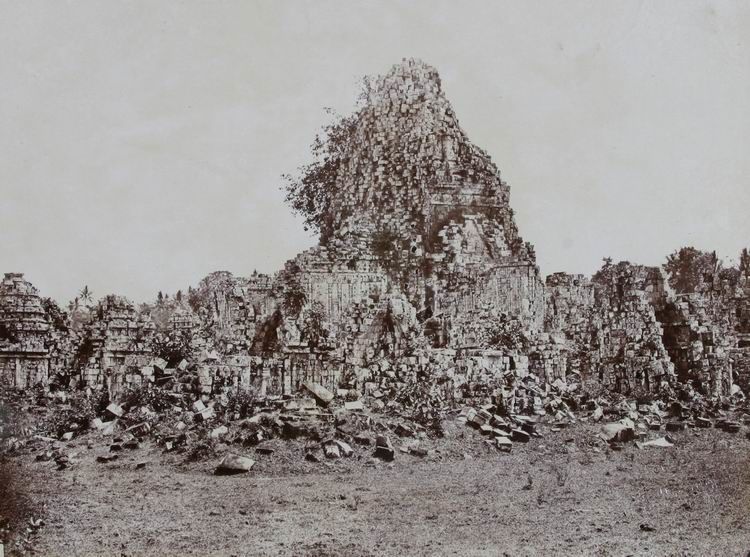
(293, 295)
(311, 192)
(689, 269)
(313, 328)
(173, 346)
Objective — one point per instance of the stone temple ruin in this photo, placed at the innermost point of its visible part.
(420, 277)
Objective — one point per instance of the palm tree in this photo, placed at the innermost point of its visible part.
(85, 294)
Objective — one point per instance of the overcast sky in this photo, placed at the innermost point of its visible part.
(142, 143)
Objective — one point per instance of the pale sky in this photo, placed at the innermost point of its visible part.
(142, 143)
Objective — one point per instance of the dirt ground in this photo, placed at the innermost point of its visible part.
(558, 495)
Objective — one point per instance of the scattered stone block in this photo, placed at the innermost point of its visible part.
(331, 450)
(384, 449)
(345, 448)
(621, 431)
(205, 414)
(362, 439)
(660, 442)
(116, 410)
(504, 444)
(321, 394)
(313, 455)
(234, 464)
(219, 432)
(732, 427)
(703, 422)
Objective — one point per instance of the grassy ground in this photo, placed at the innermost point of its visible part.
(559, 495)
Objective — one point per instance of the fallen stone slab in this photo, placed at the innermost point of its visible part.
(159, 363)
(354, 405)
(404, 430)
(218, 432)
(131, 444)
(321, 394)
(313, 455)
(362, 439)
(703, 422)
(732, 427)
(504, 444)
(139, 429)
(621, 431)
(486, 429)
(331, 450)
(676, 426)
(660, 442)
(234, 464)
(384, 448)
(520, 435)
(205, 414)
(116, 410)
(345, 448)
(480, 418)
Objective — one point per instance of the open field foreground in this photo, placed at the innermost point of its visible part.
(559, 494)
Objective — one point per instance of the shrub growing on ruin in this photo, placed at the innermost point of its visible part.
(689, 269)
(241, 402)
(149, 396)
(201, 449)
(505, 333)
(313, 328)
(292, 291)
(77, 414)
(57, 317)
(310, 192)
(84, 352)
(174, 346)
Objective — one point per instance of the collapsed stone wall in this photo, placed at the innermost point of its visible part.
(611, 330)
(706, 334)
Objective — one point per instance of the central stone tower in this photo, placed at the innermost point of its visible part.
(420, 210)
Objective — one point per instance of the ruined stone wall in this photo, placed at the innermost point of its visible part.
(337, 284)
(25, 334)
(235, 306)
(21, 370)
(707, 333)
(610, 327)
(514, 290)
